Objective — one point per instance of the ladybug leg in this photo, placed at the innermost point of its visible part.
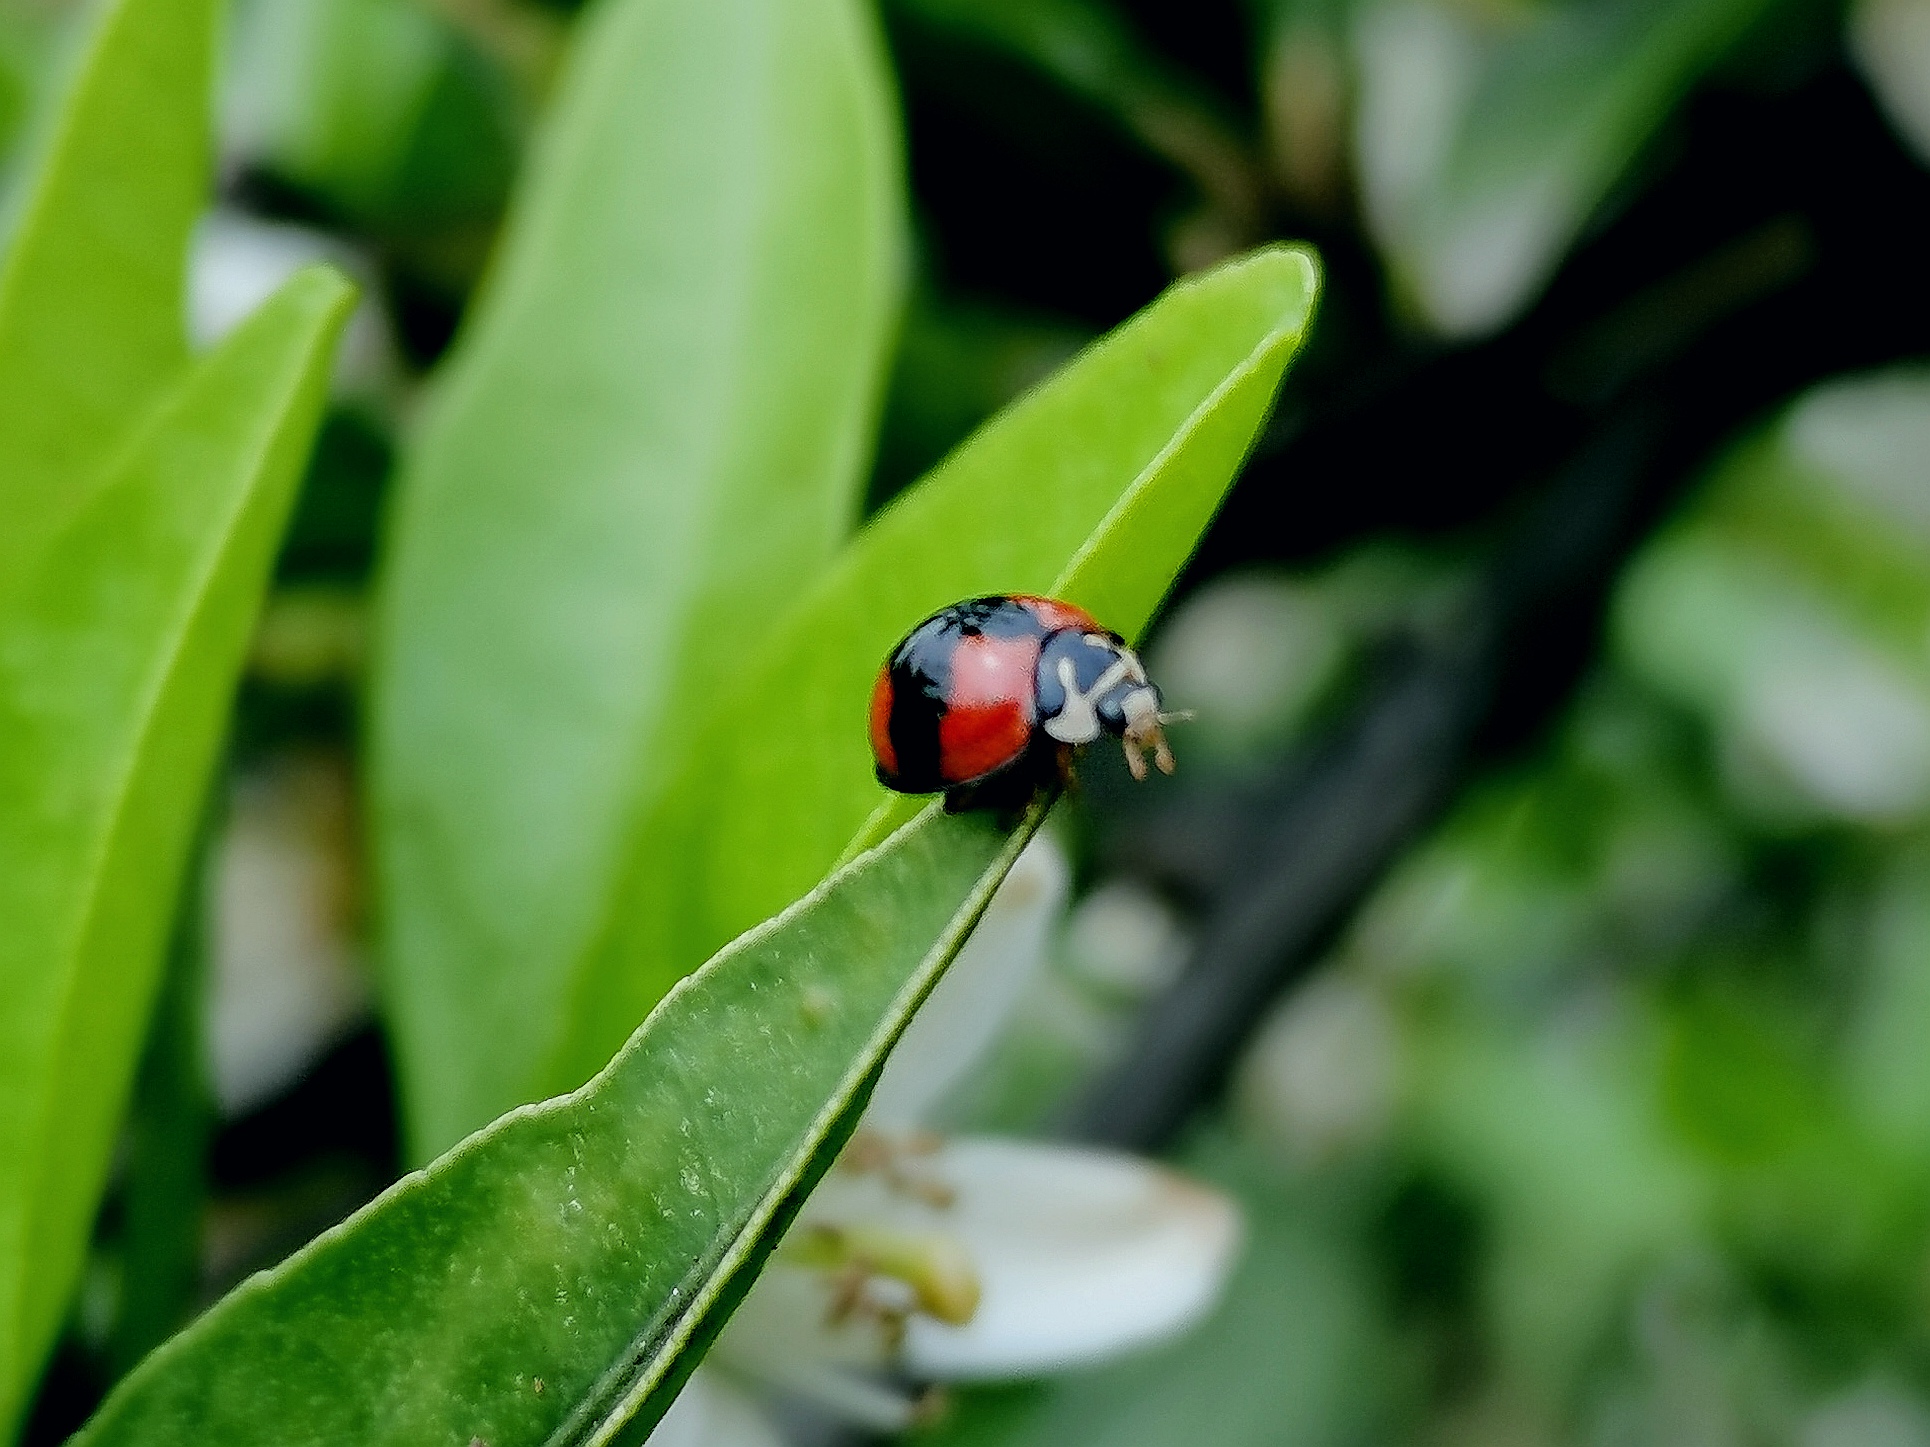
(1062, 757)
(1045, 765)
(1006, 792)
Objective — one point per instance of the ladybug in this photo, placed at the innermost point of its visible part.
(989, 698)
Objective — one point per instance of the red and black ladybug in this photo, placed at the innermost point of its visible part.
(988, 699)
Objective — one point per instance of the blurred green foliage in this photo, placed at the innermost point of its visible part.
(767, 295)
(651, 436)
(1621, 1072)
(1604, 1118)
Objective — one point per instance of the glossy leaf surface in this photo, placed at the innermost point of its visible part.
(651, 437)
(1095, 488)
(91, 320)
(1890, 42)
(542, 1282)
(119, 651)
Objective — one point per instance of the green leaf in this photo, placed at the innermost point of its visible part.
(650, 439)
(1485, 145)
(118, 655)
(170, 1119)
(1788, 605)
(957, 363)
(1885, 1067)
(546, 1281)
(91, 319)
(346, 99)
(1890, 42)
(1094, 488)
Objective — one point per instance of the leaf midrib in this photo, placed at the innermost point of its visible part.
(748, 1236)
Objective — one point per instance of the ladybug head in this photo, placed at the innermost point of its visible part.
(1092, 683)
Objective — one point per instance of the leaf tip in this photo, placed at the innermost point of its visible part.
(1293, 268)
(321, 290)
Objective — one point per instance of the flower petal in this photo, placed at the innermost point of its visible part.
(967, 1010)
(789, 1337)
(788, 1322)
(1080, 1254)
(287, 975)
(711, 1412)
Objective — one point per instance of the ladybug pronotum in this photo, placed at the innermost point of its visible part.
(988, 699)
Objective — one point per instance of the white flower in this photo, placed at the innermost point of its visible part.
(976, 996)
(711, 1412)
(287, 973)
(926, 1260)
(1890, 41)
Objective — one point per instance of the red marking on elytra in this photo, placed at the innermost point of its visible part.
(881, 697)
(1056, 615)
(989, 707)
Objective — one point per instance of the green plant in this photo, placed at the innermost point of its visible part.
(145, 493)
(631, 499)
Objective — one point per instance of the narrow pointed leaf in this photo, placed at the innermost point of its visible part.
(650, 439)
(91, 320)
(1096, 488)
(1890, 42)
(546, 1280)
(1484, 145)
(118, 656)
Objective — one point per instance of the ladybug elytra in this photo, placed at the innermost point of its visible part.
(989, 698)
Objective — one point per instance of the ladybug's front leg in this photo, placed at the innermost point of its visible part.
(1012, 789)
(1062, 757)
